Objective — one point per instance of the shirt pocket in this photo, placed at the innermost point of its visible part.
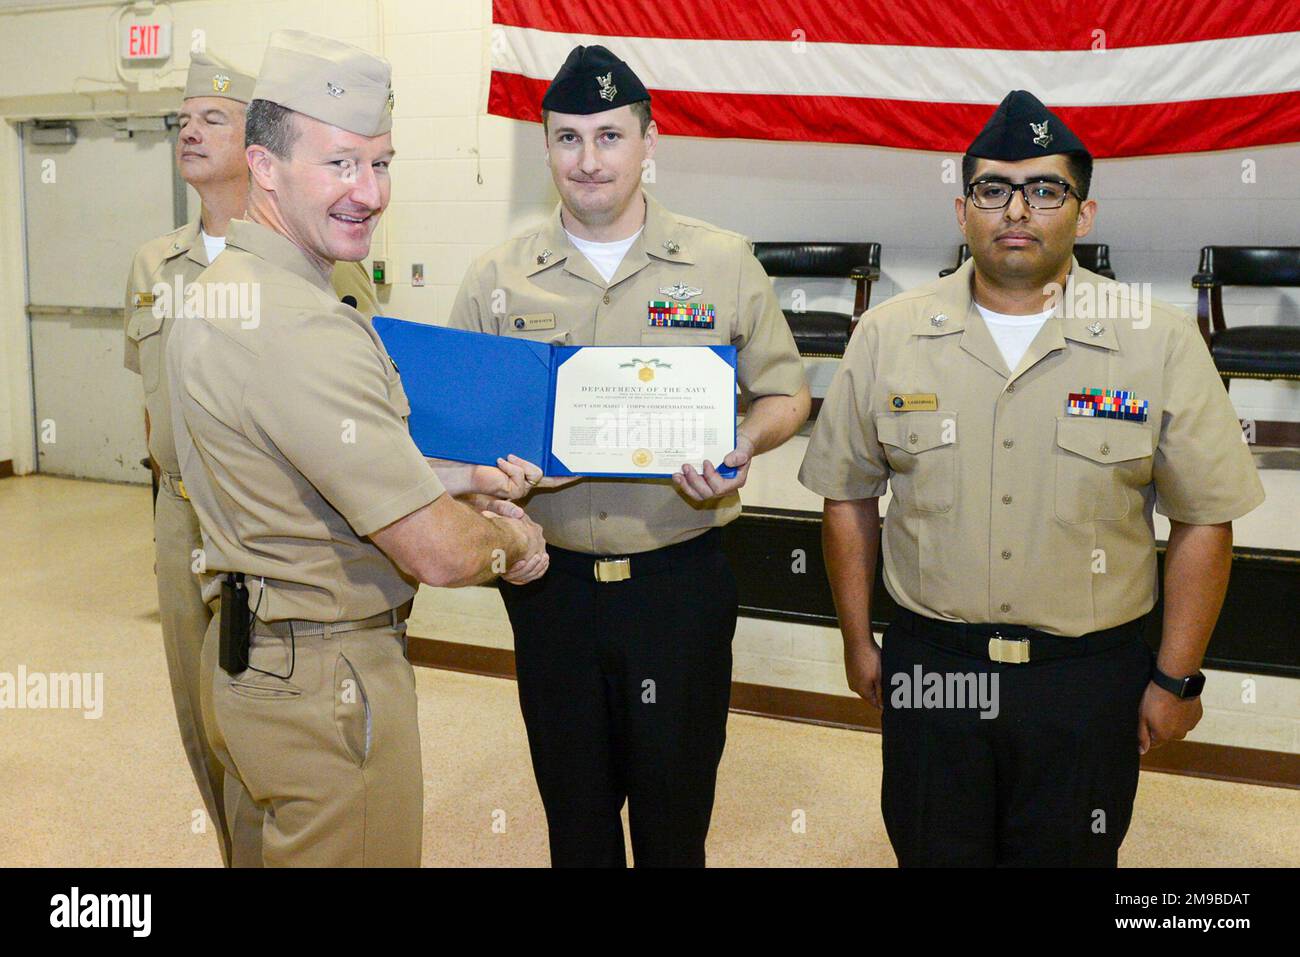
(1101, 467)
(145, 330)
(921, 448)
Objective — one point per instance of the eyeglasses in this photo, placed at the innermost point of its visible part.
(1038, 194)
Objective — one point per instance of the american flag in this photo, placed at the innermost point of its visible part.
(1131, 78)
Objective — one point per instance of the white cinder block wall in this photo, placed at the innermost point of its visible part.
(1155, 212)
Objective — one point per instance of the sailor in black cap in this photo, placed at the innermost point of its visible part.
(1027, 415)
(623, 650)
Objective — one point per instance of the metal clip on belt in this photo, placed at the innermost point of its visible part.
(613, 569)
(1009, 651)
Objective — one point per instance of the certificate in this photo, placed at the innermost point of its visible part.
(643, 411)
(615, 411)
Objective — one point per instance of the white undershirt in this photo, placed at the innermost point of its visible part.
(213, 244)
(604, 256)
(1013, 334)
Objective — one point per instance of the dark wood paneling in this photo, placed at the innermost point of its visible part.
(1257, 632)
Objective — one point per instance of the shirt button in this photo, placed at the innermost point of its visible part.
(1007, 443)
(1005, 553)
(1006, 499)
(912, 438)
(1005, 607)
(606, 300)
(1011, 387)
(1105, 449)
(604, 515)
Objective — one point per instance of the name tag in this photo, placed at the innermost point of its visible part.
(532, 321)
(143, 299)
(914, 402)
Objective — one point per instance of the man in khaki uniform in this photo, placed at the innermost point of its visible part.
(210, 156)
(292, 441)
(1027, 427)
(623, 652)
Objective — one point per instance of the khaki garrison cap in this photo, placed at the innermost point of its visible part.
(209, 76)
(334, 82)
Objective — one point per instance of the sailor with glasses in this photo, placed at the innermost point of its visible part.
(1028, 416)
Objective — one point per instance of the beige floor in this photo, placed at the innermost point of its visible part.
(76, 568)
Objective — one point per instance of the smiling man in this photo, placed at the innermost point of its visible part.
(623, 652)
(210, 158)
(319, 515)
(1026, 436)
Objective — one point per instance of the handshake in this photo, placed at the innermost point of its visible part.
(512, 478)
(526, 536)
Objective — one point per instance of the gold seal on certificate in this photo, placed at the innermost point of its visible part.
(628, 410)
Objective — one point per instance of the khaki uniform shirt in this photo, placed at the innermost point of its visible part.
(353, 279)
(1005, 508)
(543, 277)
(295, 446)
(160, 262)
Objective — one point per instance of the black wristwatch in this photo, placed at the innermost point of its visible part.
(1189, 687)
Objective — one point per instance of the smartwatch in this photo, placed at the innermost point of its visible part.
(1189, 687)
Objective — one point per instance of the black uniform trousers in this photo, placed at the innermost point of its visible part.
(624, 688)
(1049, 781)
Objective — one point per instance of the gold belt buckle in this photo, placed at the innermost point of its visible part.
(1009, 651)
(613, 569)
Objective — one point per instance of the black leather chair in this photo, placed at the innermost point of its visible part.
(1247, 352)
(821, 332)
(1095, 257)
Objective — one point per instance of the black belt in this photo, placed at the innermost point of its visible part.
(616, 568)
(1013, 644)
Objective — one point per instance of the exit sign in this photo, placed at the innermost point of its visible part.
(146, 41)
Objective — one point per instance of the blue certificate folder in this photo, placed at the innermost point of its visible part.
(477, 397)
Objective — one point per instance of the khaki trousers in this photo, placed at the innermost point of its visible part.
(322, 755)
(184, 618)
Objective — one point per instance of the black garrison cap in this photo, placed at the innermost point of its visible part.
(593, 80)
(1023, 128)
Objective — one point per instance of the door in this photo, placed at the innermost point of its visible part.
(89, 205)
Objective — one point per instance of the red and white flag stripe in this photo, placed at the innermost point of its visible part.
(1165, 76)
